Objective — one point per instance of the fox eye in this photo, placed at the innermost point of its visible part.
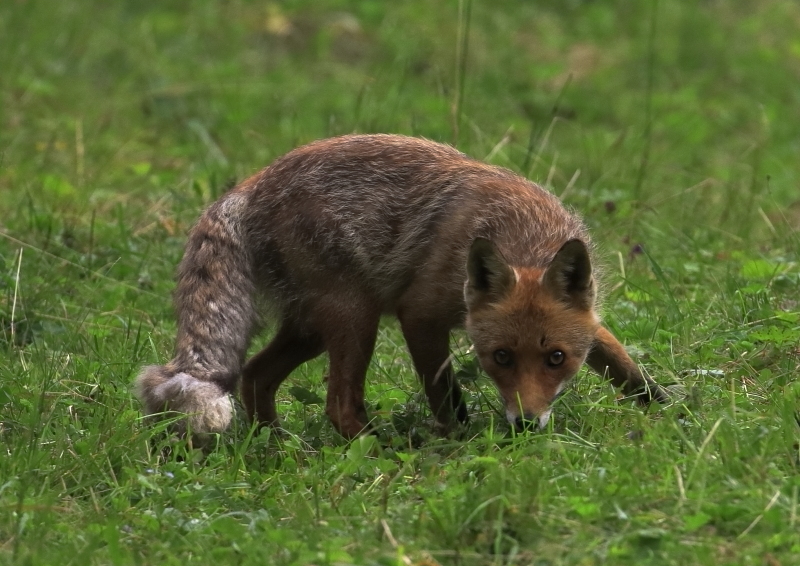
(556, 358)
(503, 357)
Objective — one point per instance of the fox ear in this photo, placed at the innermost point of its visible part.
(489, 277)
(569, 275)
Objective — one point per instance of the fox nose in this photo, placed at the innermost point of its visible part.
(527, 422)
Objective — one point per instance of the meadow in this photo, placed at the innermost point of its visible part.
(672, 127)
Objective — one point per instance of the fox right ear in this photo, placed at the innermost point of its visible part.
(489, 277)
(569, 275)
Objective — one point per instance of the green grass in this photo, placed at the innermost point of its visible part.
(671, 126)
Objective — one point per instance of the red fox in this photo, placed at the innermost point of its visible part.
(341, 231)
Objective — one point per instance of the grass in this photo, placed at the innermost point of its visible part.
(671, 126)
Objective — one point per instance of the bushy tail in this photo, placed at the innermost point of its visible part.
(216, 315)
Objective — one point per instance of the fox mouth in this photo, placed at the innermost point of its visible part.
(529, 422)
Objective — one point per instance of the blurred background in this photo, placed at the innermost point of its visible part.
(661, 105)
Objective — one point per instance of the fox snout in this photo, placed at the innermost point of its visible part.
(529, 421)
(532, 419)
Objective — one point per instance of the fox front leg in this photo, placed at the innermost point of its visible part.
(609, 358)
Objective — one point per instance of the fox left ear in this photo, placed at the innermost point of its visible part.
(569, 275)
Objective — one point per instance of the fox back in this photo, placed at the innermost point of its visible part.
(388, 214)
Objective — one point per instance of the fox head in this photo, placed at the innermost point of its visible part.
(532, 327)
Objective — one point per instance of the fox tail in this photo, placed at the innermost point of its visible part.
(216, 315)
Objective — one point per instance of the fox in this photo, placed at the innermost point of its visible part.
(340, 232)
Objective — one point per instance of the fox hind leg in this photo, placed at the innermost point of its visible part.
(349, 335)
(264, 372)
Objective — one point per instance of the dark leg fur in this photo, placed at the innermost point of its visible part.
(609, 358)
(429, 345)
(264, 372)
(349, 333)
